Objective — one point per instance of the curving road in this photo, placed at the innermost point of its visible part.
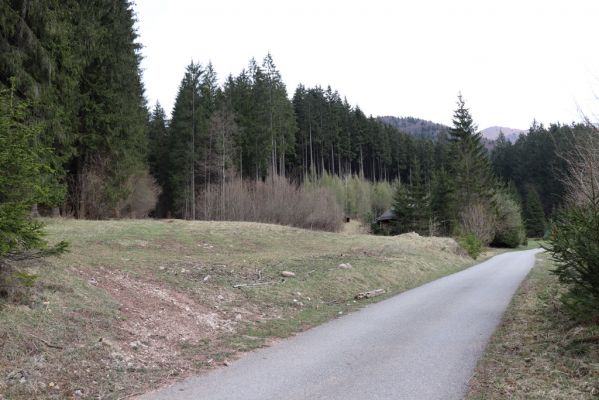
(421, 344)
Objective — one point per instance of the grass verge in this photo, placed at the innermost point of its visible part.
(533, 243)
(538, 351)
(138, 304)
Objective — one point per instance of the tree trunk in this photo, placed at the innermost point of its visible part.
(193, 155)
(81, 209)
(361, 163)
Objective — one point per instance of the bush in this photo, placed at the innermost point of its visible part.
(471, 244)
(143, 196)
(275, 201)
(574, 240)
(509, 231)
(382, 197)
(357, 197)
(25, 179)
(574, 244)
(479, 220)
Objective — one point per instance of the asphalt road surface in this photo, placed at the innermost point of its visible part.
(422, 344)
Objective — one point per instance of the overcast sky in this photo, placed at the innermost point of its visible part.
(513, 60)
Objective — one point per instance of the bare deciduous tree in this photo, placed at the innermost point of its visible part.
(582, 180)
(275, 200)
(479, 220)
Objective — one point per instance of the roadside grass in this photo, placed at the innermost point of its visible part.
(533, 243)
(538, 351)
(137, 304)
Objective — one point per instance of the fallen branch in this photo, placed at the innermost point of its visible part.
(254, 284)
(54, 346)
(590, 339)
(131, 395)
(369, 294)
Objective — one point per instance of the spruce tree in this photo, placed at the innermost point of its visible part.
(238, 94)
(112, 117)
(421, 201)
(534, 216)
(441, 201)
(158, 156)
(403, 208)
(470, 171)
(502, 158)
(38, 59)
(23, 182)
(185, 143)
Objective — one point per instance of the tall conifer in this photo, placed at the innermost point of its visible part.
(470, 171)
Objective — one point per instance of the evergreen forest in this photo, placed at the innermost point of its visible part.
(246, 147)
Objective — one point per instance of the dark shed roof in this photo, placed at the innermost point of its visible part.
(386, 216)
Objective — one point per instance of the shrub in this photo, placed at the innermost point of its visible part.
(471, 244)
(574, 244)
(357, 197)
(25, 179)
(382, 197)
(509, 229)
(143, 196)
(276, 201)
(479, 220)
(574, 240)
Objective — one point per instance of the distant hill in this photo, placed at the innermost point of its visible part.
(415, 126)
(511, 134)
(428, 129)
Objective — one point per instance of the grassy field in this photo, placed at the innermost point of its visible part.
(538, 352)
(138, 304)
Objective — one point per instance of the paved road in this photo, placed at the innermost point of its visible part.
(422, 344)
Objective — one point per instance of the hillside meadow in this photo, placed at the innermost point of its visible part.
(136, 304)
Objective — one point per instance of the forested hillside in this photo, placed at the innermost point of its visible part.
(416, 126)
(537, 165)
(493, 132)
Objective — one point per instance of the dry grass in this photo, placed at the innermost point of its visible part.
(538, 352)
(137, 304)
(354, 227)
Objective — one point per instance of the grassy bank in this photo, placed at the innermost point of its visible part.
(138, 304)
(538, 352)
